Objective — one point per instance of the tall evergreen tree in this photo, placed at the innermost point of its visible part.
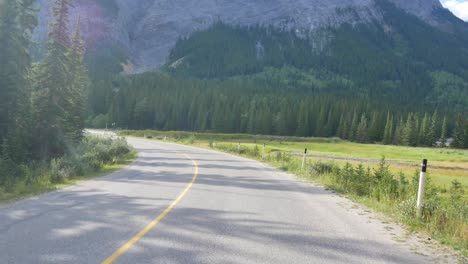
(424, 138)
(354, 127)
(375, 129)
(459, 133)
(78, 86)
(388, 132)
(410, 132)
(398, 135)
(341, 124)
(303, 129)
(434, 129)
(362, 135)
(17, 21)
(443, 133)
(52, 91)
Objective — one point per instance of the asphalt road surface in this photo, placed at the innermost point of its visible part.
(177, 204)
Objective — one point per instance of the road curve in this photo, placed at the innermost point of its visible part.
(237, 211)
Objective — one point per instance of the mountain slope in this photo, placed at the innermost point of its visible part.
(399, 58)
(146, 30)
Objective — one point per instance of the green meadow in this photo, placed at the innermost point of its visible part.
(445, 164)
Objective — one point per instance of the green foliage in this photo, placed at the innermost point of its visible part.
(90, 155)
(391, 61)
(443, 217)
(161, 102)
(257, 80)
(449, 91)
(461, 132)
(59, 96)
(17, 22)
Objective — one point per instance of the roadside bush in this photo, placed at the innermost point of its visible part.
(59, 170)
(119, 148)
(9, 174)
(321, 168)
(92, 161)
(407, 210)
(88, 156)
(443, 217)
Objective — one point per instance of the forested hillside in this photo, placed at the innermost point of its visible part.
(377, 82)
(403, 60)
(241, 105)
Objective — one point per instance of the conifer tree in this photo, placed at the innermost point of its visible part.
(354, 127)
(303, 129)
(52, 91)
(78, 86)
(459, 133)
(375, 130)
(17, 22)
(398, 134)
(362, 130)
(321, 121)
(339, 130)
(434, 129)
(388, 132)
(443, 133)
(424, 138)
(410, 132)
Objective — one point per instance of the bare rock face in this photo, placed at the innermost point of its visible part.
(148, 29)
(420, 8)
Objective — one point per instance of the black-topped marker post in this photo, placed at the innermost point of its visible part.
(422, 181)
(304, 159)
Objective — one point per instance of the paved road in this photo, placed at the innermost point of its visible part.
(237, 211)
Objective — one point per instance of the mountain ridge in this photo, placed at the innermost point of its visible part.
(147, 30)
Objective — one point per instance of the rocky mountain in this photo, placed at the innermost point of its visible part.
(144, 31)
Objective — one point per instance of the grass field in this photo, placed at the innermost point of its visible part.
(445, 165)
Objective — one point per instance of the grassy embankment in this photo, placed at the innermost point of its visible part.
(92, 158)
(389, 188)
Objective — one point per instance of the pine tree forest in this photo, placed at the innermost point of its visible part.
(159, 101)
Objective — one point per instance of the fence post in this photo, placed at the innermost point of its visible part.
(422, 182)
(304, 159)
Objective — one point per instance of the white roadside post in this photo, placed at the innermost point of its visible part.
(304, 159)
(238, 148)
(422, 181)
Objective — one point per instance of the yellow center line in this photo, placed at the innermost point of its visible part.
(153, 223)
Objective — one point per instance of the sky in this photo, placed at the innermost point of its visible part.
(458, 7)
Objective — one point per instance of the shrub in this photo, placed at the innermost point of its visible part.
(407, 211)
(321, 168)
(119, 148)
(59, 170)
(9, 174)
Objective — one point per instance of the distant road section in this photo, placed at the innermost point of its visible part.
(178, 204)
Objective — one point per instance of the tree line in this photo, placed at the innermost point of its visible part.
(159, 101)
(361, 60)
(43, 104)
